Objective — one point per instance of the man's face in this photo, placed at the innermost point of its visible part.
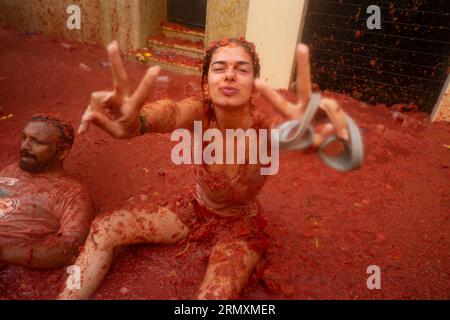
(39, 147)
(231, 77)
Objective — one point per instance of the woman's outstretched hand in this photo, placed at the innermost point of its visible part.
(290, 111)
(118, 112)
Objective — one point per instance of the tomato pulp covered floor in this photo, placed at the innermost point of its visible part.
(326, 227)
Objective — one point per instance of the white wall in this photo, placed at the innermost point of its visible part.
(441, 111)
(274, 25)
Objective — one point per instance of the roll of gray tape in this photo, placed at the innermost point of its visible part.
(300, 142)
(302, 138)
(298, 135)
(353, 154)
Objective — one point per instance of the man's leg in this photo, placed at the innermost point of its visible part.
(229, 268)
(122, 227)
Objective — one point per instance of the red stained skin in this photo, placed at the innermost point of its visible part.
(325, 227)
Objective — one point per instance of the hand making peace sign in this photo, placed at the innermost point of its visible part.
(294, 111)
(118, 112)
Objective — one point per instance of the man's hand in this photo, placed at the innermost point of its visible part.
(292, 111)
(118, 112)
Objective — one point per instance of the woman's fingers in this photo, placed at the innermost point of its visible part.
(303, 75)
(143, 91)
(336, 115)
(99, 100)
(120, 78)
(321, 133)
(84, 125)
(283, 106)
(104, 123)
(112, 111)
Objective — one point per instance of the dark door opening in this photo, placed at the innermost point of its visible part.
(191, 13)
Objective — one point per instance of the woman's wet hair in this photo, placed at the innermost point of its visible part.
(66, 131)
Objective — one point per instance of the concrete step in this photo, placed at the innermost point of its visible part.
(193, 49)
(179, 31)
(178, 48)
(167, 60)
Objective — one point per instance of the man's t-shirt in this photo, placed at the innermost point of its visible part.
(33, 206)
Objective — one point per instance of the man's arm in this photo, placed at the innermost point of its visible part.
(53, 252)
(75, 209)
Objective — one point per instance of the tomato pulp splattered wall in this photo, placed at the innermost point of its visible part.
(406, 61)
(130, 22)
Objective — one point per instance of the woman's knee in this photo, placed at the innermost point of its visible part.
(234, 251)
(165, 227)
(124, 227)
(104, 232)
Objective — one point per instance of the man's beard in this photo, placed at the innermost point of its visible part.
(29, 166)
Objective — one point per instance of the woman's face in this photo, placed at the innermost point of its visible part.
(230, 77)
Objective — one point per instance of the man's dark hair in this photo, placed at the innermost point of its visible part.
(66, 131)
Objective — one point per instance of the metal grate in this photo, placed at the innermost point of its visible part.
(407, 61)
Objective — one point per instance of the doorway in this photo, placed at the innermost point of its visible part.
(190, 13)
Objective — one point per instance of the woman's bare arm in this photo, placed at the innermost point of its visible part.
(167, 115)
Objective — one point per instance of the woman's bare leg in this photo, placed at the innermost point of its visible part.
(122, 227)
(229, 268)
